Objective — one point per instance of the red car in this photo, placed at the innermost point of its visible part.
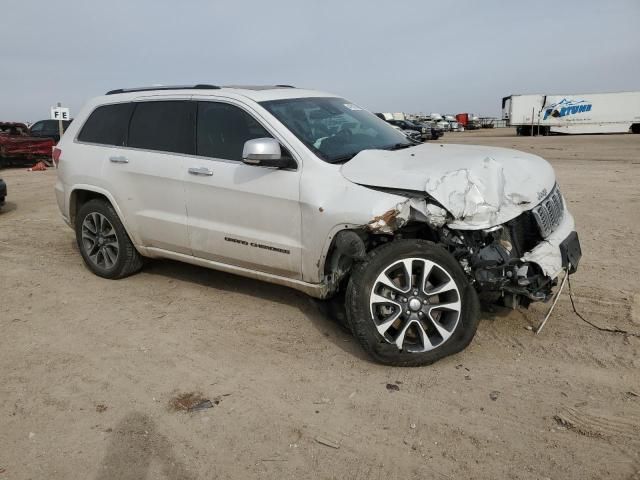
(18, 146)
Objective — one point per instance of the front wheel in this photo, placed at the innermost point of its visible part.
(409, 304)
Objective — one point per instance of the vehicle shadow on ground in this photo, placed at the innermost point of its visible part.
(316, 311)
(8, 207)
(135, 444)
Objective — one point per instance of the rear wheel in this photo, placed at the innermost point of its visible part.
(103, 242)
(410, 304)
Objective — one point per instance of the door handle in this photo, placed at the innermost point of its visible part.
(201, 171)
(119, 159)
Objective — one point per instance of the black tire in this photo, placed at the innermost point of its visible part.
(128, 261)
(359, 315)
(334, 309)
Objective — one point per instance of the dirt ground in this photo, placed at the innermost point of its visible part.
(94, 371)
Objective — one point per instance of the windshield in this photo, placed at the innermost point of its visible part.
(335, 129)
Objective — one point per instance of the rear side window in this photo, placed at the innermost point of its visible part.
(223, 129)
(51, 126)
(167, 126)
(37, 127)
(107, 125)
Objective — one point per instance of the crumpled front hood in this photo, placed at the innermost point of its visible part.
(480, 186)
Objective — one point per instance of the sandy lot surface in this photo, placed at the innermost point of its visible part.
(90, 367)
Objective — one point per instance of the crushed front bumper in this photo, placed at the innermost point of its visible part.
(560, 250)
(497, 267)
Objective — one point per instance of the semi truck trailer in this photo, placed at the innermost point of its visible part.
(573, 114)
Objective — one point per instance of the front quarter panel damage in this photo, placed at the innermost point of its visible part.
(411, 209)
(487, 256)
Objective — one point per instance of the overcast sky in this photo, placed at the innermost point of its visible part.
(394, 55)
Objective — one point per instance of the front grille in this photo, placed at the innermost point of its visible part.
(524, 234)
(549, 213)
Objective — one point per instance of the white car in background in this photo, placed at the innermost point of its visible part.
(454, 126)
(440, 121)
(309, 190)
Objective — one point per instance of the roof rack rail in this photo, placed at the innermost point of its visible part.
(199, 86)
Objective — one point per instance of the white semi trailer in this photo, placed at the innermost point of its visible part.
(576, 113)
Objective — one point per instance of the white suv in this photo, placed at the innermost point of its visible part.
(308, 190)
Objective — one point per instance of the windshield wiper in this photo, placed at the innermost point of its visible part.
(399, 146)
(395, 146)
(344, 158)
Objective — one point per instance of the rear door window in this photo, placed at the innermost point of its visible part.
(166, 126)
(107, 125)
(223, 129)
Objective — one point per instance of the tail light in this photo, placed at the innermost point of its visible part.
(55, 155)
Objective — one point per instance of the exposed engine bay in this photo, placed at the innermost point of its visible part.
(515, 263)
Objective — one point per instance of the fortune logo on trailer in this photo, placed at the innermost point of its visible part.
(567, 107)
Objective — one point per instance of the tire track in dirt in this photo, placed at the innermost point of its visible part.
(602, 425)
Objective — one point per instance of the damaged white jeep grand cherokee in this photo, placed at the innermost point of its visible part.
(308, 190)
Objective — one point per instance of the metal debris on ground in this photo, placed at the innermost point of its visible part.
(100, 408)
(392, 387)
(192, 402)
(494, 395)
(326, 442)
(201, 406)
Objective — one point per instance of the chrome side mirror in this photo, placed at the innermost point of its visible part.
(264, 152)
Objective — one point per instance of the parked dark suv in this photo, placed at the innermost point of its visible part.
(424, 130)
(48, 129)
(436, 131)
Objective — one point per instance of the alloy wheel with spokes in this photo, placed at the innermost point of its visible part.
(410, 303)
(415, 304)
(99, 240)
(104, 243)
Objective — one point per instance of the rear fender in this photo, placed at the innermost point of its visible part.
(72, 207)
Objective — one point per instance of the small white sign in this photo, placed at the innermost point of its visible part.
(60, 113)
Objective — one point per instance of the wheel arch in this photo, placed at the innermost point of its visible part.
(336, 264)
(80, 194)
